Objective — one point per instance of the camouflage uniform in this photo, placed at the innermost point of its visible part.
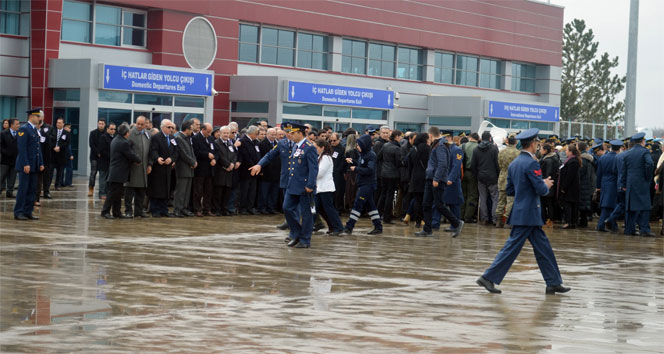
(504, 207)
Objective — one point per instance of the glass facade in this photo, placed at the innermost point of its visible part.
(71, 116)
(8, 107)
(250, 107)
(490, 73)
(15, 17)
(409, 63)
(381, 60)
(72, 95)
(102, 24)
(444, 68)
(408, 127)
(312, 51)
(450, 121)
(466, 70)
(248, 43)
(354, 56)
(277, 47)
(303, 109)
(523, 77)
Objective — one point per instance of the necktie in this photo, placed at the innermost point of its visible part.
(57, 141)
(168, 141)
(13, 133)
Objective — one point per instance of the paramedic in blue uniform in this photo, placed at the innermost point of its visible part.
(525, 184)
(303, 170)
(28, 163)
(635, 177)
(607, 185)
(283, 150)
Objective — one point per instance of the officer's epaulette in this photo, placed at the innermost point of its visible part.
(308, 143)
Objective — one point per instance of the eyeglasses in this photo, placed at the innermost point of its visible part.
(333, 141)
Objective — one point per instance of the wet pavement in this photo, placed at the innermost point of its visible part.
(76, 282)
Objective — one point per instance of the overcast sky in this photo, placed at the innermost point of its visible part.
(609, 20)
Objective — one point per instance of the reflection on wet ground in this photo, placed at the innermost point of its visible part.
(76, 282)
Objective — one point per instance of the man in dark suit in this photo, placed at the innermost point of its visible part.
(269, 180)
(9, 151)
(184, 170)
(62, 139)
(28, 163)
(248, 155)
(44, 177)
(163, 154)
(222, 182)
(122, 156)
(525, 184)
(206, 157)
(94, 153)
(104, 160)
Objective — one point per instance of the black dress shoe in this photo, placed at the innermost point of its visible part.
(293, 242)
(449, 229)
(21, 217)
(169, 215)
(10, 195)
(488, 285)
(647, 234)
(123, 216)
(334, 233)
(32, 217)
(253, 212)
(557, 289)
(288, 239)
(375, 232)
(244, 212)
(128, 216)
(187, 213)
(178, 214)
(318, 226)
(143, 215)
(283, 226)
(48, 196)
(302, 245)
(457, 230)
(424, 234)
(388, 222)
(346, 232)
(156, 215)
(107, 216)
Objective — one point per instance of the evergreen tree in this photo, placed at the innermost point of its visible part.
(589, 90)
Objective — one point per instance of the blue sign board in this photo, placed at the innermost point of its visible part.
(156, 80)
(307, 92)
(523, 111)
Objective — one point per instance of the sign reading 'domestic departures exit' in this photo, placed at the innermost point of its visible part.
(306, 92)
(523, 111)
(129, 78)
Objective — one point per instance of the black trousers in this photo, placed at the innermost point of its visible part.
(417, 206)
(202, 191)
(571, 213)
(137, 196)
(113, 200)
(248, 193)
(220, 197)
(548, 209)
(433, 198)
(60, 175)
(386, 202)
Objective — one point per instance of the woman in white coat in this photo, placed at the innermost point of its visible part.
(325, 188)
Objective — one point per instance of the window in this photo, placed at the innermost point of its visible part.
(466, 70)
(179, 118)
(444, 68)
(490, 73)
(277, 47)
(15, 17)
(523, 77)
(112, 25)
(353, 56)
(186, 101)
(117, 116)
(409, 64)
(303, 109)
(250, 107)
(409, 127)
(381, 60)
(248, 43)
(71, 116)
(67, 95)
(76, 21)
(500, 123)
(156, 100)
(7, 106)
(541, 125)
(339, 112)
(450, 121)
(114, 96)
(519, 124)
(312, 51)
(361, 113)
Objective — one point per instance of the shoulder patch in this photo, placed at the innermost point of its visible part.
(538, 172)
(21, 133)
(459, 156)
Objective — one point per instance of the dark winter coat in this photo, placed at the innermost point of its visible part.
(391, 157)
(568, 181)
(366, 165)
(550, 165)
(104, 148)
(586, 182)
(484, 163)
(418, 158)
(159, 180)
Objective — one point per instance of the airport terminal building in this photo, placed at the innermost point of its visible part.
(405, 64)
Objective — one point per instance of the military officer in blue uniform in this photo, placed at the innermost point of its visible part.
(525, 183)
(607, 185)
(637, 172)
(303, 170)
(283, 151)
(453, 196)
(619, 210)
(28, 163)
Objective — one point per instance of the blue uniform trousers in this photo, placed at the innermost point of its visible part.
(296, 205)
(546, 260)
(433, 198)
(365, 196)
(25, 197)
(619, 209)
(269, 194)
(606, 212)
(633, 218)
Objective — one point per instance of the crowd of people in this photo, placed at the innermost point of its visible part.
(421, 179)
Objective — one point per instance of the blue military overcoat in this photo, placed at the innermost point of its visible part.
(525, 184)
(607, 180)
(453, 193)
(282, 149)
(29, 150)
(637, 172)
(302, 169)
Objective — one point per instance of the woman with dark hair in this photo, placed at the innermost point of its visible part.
(391, 157)
(586, 185)
(351, 157)
(550, 164)
(5, 124)
(568, 186)
(418, 158)
(325, 188)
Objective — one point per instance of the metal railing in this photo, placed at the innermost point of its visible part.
(590, 130)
